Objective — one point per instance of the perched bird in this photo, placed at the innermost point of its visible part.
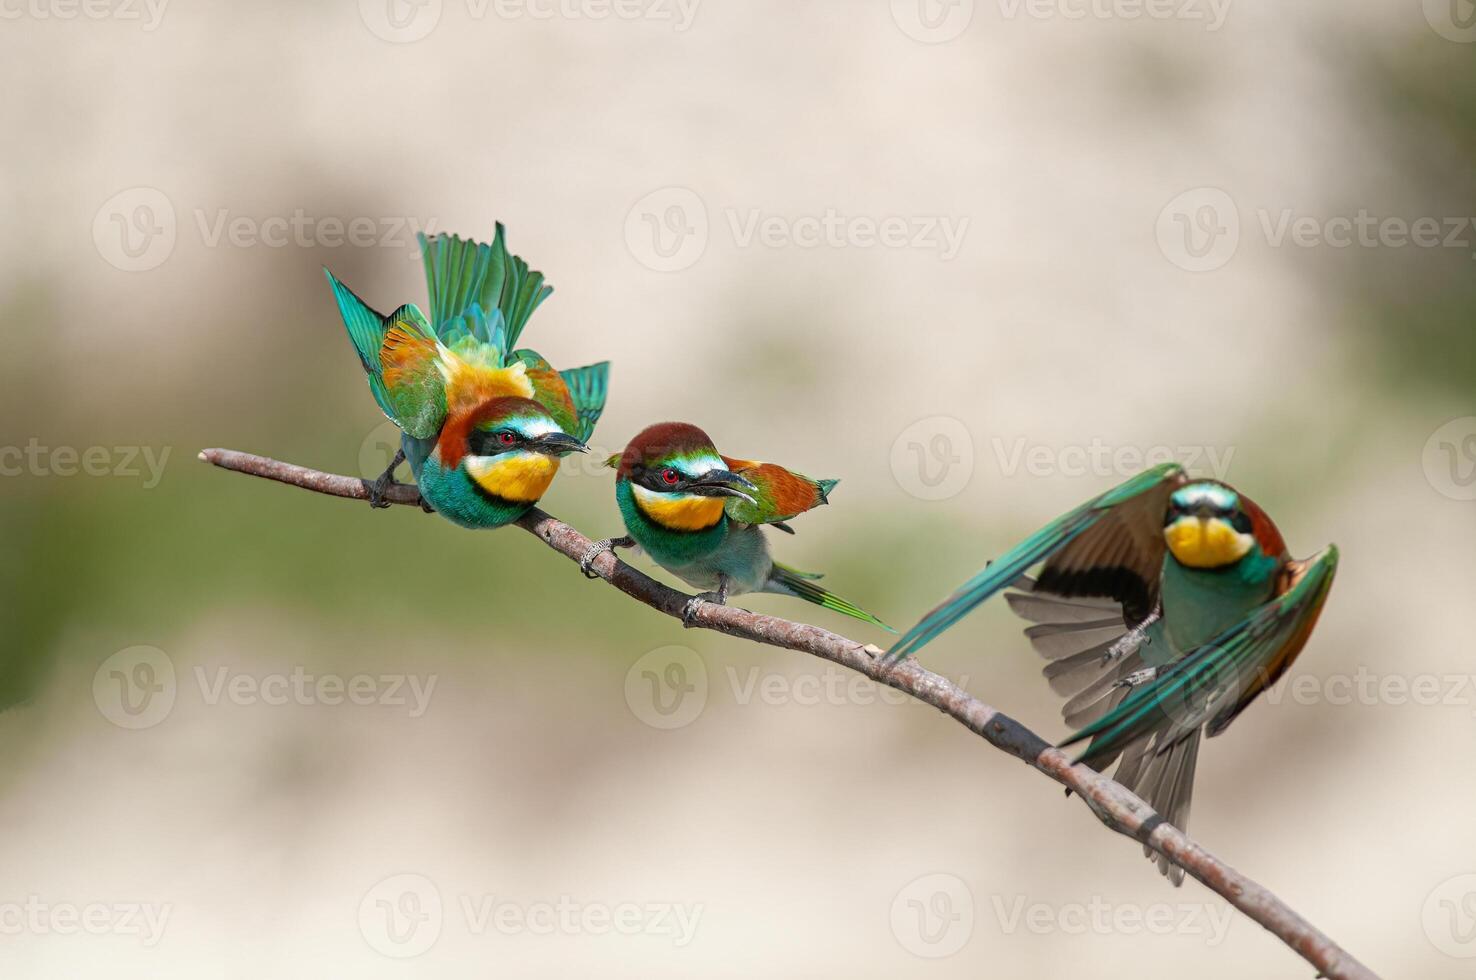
(484, 424)
(700, 515)
(1165, 606)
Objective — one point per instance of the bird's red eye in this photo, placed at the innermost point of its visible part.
(506, 438)
(670, 477)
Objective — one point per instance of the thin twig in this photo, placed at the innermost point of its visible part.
(1114, 805)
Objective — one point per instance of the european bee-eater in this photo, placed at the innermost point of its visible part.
(700, 514)
(1165, 607)
(484, 424)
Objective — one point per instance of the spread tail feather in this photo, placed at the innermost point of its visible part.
(784, 580)
(468, 277)
(1164, 779)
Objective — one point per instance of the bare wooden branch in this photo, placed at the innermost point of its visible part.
(1115, 806)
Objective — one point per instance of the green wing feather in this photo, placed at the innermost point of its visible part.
(1001, 572)
(417, 402)
(411, 374)
(1216, 681)
(790, 581)
(588, 387)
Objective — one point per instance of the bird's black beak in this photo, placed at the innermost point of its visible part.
(722, 483)
(559, 444)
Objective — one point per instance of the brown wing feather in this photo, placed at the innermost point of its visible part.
(1120, 557)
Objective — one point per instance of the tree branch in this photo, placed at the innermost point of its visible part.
(1114, 805)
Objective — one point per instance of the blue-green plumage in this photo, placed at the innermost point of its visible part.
(1165, 607)
(481, 419)
(678, 501)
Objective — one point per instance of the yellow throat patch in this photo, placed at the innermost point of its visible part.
(521, 477)
(679, 512)
(1201, 543)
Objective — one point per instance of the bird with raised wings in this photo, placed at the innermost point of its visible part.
(484, 423)
(1165, 607)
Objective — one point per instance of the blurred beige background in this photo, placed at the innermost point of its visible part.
(979, 260)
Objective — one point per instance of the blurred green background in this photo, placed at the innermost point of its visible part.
(1088, 305)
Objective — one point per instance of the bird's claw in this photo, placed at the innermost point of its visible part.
(378, 489)
(586, 560)
(694, 604)
(377, 494)
(1138, 677)
(591, 553)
